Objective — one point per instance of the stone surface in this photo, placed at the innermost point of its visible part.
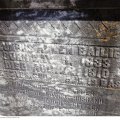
(60, 4)
(37, 3)
(59, 68)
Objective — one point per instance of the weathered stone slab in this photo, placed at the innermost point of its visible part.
(59, 68)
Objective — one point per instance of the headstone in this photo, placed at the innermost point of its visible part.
(58, 64)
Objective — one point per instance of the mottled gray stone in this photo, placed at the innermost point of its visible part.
(37, 3)
(59, 68)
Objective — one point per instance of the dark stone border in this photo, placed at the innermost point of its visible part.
(57, 14)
